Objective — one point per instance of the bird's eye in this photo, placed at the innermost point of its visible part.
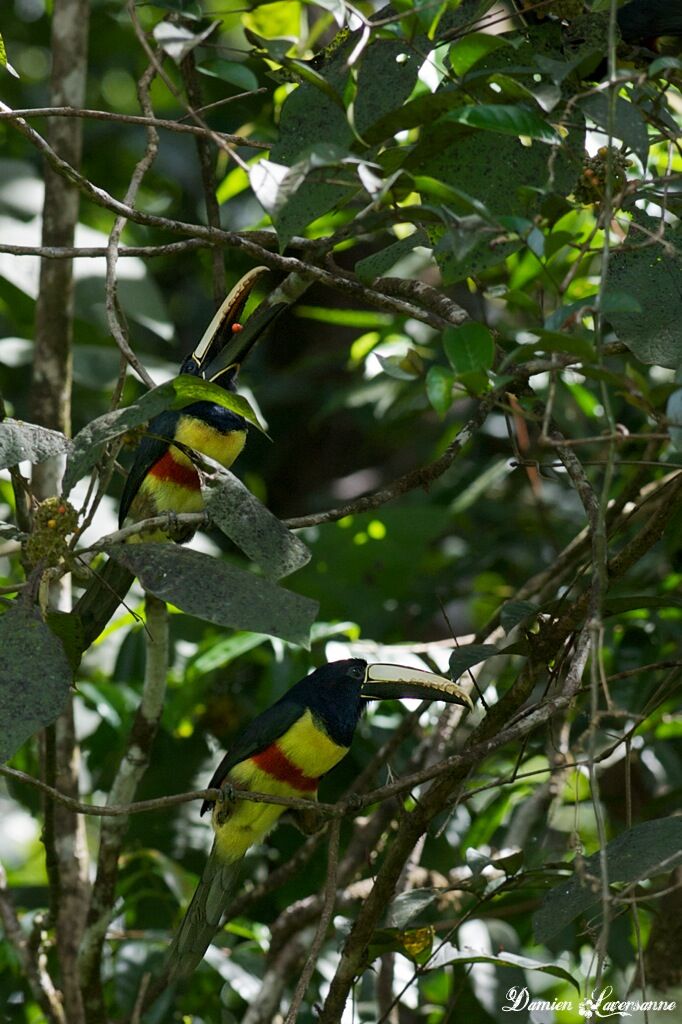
(357, 672)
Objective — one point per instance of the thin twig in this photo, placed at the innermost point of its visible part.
(323, 924)
(146, 122)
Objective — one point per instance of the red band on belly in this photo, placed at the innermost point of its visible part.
(166, 468)
(278, 766)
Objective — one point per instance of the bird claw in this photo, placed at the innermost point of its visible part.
(227, 793)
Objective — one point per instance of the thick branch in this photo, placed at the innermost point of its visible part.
(50, 406)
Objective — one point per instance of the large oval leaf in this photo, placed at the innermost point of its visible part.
(217, 592)
(34, 677)
(252, 526)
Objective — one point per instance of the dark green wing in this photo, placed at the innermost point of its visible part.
(152, 447)
(265, 729)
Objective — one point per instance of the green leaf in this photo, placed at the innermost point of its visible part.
(217, 592)
(556, 341)
(651, 274)
(501, 167)
(563, 314)
(35, 677)
(280, 189)
(273, 20)
(619, 302)
(20, 441)
(252, 527)
(408, 905)
(230, 71)
(379, 263)
(344, 317)
(302, 71)
(449, 954)
(310, 120)
(467, 52)
(69, 630)
(223, 652)
(628, 122)
(462, 658)
(88, 445)
(439, 383)
(506, 119)
(644, 851)
(469, 348)
(663, 64)
(515, 612)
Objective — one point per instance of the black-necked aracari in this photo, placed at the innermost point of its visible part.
(286, 751)
(163, 477)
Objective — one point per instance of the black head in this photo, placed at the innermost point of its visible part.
(338, 692)
(333, 693)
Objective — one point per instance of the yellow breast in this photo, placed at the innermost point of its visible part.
(203, 438)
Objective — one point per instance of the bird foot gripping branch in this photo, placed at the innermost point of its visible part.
(285, 752)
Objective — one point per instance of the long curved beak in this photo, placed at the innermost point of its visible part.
(393, 682)
(225, 343)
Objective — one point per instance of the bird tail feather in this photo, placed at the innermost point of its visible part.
(203, 915)
(102, 597)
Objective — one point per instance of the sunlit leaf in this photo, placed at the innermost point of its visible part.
(449, 954)
(467, 52)
(26, 442)
(469, 347)
(505, 119)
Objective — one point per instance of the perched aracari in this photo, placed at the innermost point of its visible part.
(163, 477)
(286, 751)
